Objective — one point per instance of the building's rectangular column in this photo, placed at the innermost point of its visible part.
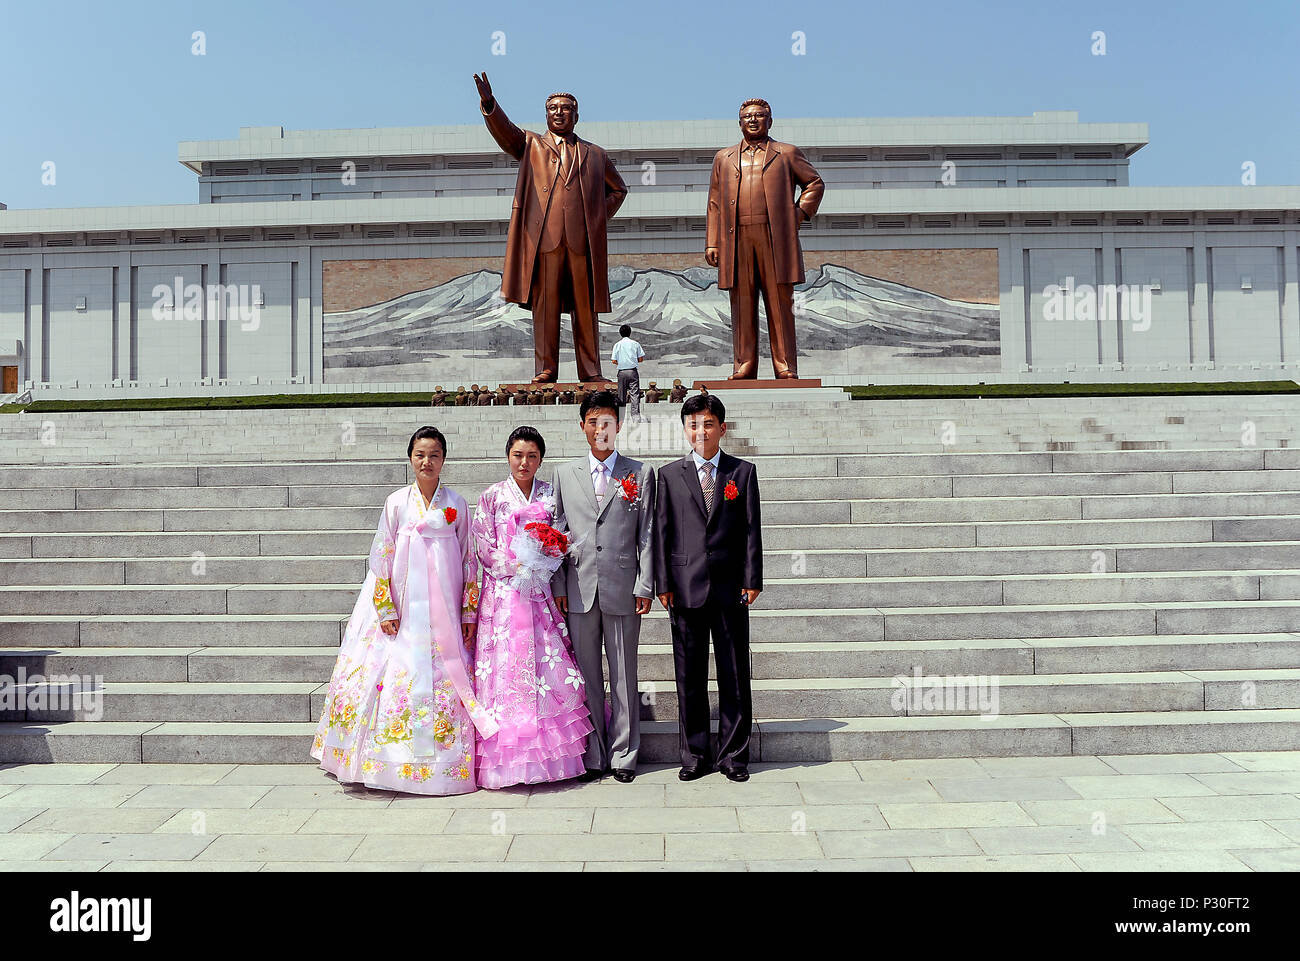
(210, 341)
(1290, 282)
(125, 346)
(1199, 284)
(1111, 339)
(303, 322)
(1016, 263)
(39, 325)
(1011, 305)
(315, 282)
(29, 365)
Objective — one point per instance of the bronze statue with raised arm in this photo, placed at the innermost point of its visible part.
(752, 237)
(556, 259)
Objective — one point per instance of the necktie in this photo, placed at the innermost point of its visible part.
(706, 485)
(564, 160)
(602, 481)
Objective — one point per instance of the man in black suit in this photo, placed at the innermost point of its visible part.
(708, 571)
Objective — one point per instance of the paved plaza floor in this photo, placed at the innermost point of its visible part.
(1174, 812)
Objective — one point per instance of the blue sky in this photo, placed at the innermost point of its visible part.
(106, 90)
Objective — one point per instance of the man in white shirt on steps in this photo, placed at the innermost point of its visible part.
(626, 355)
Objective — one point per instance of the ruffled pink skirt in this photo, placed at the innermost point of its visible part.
(553, 753)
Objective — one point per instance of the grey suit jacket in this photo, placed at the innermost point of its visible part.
(617, 542)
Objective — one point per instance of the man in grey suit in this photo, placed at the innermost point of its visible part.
(606, 502)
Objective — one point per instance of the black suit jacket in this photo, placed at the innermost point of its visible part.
(724, 552)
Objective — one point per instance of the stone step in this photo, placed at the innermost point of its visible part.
(1091, 535)
(787, 594)
(1237, 689)
(1042, 735)
(120, 631)
(774, 488)
(124, 453)
(484, 436)
(772, 660)
(109, 541)
(1192, 413)
(784, 662)
(857, 624)
(393, 469)
(343, 494)
(814, 503)
(946, 562)
(1046, 533)
(774, 740)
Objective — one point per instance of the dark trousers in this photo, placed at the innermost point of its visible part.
(728, 622)
(755, 271)
(629, 391)
(558, 271)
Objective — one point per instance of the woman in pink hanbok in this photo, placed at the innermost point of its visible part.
(400, 713)
(524, 672)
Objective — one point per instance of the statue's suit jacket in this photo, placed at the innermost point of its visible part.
(724, 552)
(785, 166)
(617, 541)
(603, 191)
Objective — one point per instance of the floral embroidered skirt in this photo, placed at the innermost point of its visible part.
(392, 718)
(526, 676)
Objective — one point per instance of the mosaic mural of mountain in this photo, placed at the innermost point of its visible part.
(846, 321)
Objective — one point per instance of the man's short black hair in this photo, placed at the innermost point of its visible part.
(704, 402)
(600, 400)
(625, 330)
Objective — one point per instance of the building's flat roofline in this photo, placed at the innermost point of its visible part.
(651, 204)
(1043, 128)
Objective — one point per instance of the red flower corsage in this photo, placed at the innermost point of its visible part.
(730, 492)
(630, 489)
(450, 514)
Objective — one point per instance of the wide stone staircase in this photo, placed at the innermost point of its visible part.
(1114, 601)
(760, 422)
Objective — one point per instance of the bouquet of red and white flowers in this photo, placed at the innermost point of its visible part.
(539, 549)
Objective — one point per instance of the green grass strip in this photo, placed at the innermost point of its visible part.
(943, 391)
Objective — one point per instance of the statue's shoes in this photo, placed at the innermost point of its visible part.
(545, 377)
(788, 375)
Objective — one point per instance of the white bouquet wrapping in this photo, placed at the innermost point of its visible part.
(539, 550)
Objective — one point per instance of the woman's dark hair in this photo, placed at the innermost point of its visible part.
(703, 402)
(427, 432)
(625, 330)
(600, 400)
(526, 433)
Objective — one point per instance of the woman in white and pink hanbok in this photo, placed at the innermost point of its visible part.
(400, 713)
(524, 672)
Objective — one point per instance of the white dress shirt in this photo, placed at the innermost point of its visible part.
(627, 353)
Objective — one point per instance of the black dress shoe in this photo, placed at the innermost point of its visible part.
(591, 774)
(624, 777)
(735, 773)
(692, 773)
